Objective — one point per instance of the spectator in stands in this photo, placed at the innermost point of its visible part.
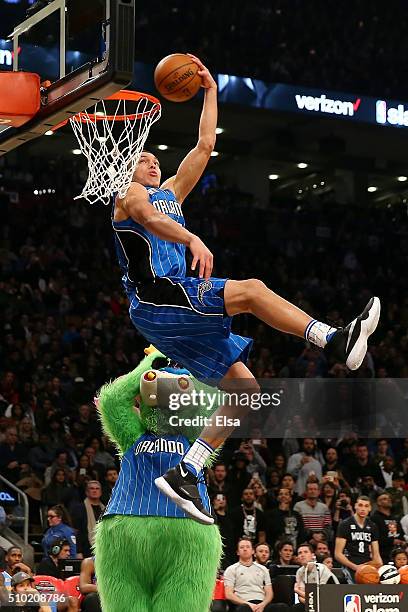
(273, 484)
(71, 450)
(361, 466)
(328, 496)
(263, 554)
(84, 424)
(387, 465)
(22, 584)
(88, 587)
(279, 464)
(310, 572)
(4, 521)
(321, 548)
(94, 465)
(399, 557)
(370, 489)
(41, 456)
(60, 463)
(283, 555)
(219, 504)
(357, 539)
(326, 559)
(289, 482)
(316, 515)
(259, 490)
(101, 457)
(85, 516)
(383, 450)
(256, 466)
(343, 509)
(238, 478)
(56, 432)
(331, 461)
(59, 491)
(217, 480)
(26, 432)
(48, 566)
(248, 584)
(59, 528)
(390, 533)
(285, 552)
(111, 476)
(399, 494)
(283, 522)
(247, 520)
(13, 455)
(13, 561)
(83, 474)
(304, 463)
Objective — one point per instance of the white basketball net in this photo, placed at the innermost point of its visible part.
(112, 158)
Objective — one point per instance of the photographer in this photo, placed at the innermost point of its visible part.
(343, 508)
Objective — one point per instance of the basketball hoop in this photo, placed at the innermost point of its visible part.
(112, 138)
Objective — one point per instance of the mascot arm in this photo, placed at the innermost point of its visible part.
(116, 405)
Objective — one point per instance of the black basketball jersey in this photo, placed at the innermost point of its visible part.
(358, 538)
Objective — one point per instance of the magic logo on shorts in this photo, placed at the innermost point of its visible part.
(202, 288)
(352, 603)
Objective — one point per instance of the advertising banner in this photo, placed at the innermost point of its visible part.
(357, 598)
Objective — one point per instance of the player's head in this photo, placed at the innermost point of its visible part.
(245, 550)
(147, 171)
(305, 553)
(362, 506)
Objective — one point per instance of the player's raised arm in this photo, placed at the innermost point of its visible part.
(193, 165)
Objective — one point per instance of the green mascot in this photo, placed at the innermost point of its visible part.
(149, 557)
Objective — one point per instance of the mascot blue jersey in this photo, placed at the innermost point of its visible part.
(142, 255)
(135, 492)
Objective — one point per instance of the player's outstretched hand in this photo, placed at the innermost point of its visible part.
(202, 256)
(205, 74)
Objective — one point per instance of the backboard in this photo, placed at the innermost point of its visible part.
(83, 52)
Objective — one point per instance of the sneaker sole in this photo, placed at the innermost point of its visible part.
(188, 506)
(367, 327)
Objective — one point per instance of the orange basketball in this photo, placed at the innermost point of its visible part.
(176, 77)
(367, 574)
(403, 572)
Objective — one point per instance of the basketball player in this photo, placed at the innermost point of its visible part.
(189, 318)
(357, 538)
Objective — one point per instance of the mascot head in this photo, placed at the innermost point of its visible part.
(170, 400)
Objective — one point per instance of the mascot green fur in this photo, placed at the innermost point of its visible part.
(149, 557)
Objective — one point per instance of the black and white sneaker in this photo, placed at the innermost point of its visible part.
(350, 344)
(180, 485)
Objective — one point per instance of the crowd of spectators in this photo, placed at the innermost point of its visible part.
(65, 330)
(355, 47)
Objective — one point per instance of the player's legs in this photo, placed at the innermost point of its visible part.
(180, 483)
(348, 344)
(253, 296)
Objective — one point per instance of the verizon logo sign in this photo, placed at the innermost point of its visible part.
(323, 104)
